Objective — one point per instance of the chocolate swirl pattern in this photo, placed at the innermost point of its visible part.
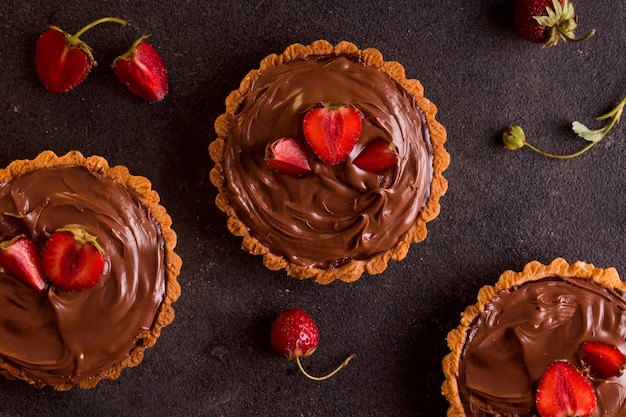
(523, 329)
(340, 213)
(58, 337)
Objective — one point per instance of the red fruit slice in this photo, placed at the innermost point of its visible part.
(287, 156)
(21, 258)
(603, 359)
(564, 391)
(73, 259)
(332, 130)
(377, 156)
(142, 70)
(294, 334)
(62, 60)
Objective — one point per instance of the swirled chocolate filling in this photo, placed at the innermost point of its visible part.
(57, 336)
(514, 339)
(339, 213)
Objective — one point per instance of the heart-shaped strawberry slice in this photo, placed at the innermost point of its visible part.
(73, 259)
(332, 130)
(287, 156)
(21, 258)
(564, 392)
(63, 61)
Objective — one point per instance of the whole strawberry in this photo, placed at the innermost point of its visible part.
(547, 21)
(294, 335)
(142, 70)
(63, 61)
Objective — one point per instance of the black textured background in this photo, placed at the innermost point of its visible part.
(501, 210)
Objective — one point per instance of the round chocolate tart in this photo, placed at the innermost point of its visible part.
(51, 336)
(530, 324)
(335, 217)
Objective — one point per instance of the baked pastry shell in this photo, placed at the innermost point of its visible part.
(417, 232)
(532, 271)
(150, 200)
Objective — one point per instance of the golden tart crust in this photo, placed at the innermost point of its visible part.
(352, 270)
(532, 271)
(172, 262)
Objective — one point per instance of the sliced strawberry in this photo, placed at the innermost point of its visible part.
(287, 156)
(142, 70)
(73, 259)
(21, 258)
(564, 391)
(332, 130)
(377, 156)
(62, 60)
(603, 359)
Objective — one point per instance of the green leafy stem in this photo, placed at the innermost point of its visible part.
(514, 138)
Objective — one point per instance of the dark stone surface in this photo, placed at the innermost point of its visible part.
(502, 208)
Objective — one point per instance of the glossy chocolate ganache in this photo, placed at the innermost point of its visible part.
(512, 341)
(339, 213)
(59, 337)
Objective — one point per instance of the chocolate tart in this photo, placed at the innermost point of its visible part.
(528, 320)
(64, 338)
(340, 221)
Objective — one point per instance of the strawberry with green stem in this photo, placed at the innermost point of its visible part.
(142, 70)
(514, 137)
(547, 21)
(294, 335)
(63, 61)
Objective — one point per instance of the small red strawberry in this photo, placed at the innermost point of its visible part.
(142, 70)
(563, 391)
(62, 60)
(73, 259)
(287, 156)
(21, 258)
(546, 21)
(605, 360)
(332, 130)
(295, 335)
(377, 156)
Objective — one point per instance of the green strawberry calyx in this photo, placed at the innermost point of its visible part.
(561, 20)
(514, 137)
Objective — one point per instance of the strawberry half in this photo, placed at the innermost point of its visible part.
(605, 360)
(546, 21)
(287, 156)
(564, 391)
(377, 156)
(62, 60)
(21, 258)
(73, 259)
(142, 70)
(332, 130)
